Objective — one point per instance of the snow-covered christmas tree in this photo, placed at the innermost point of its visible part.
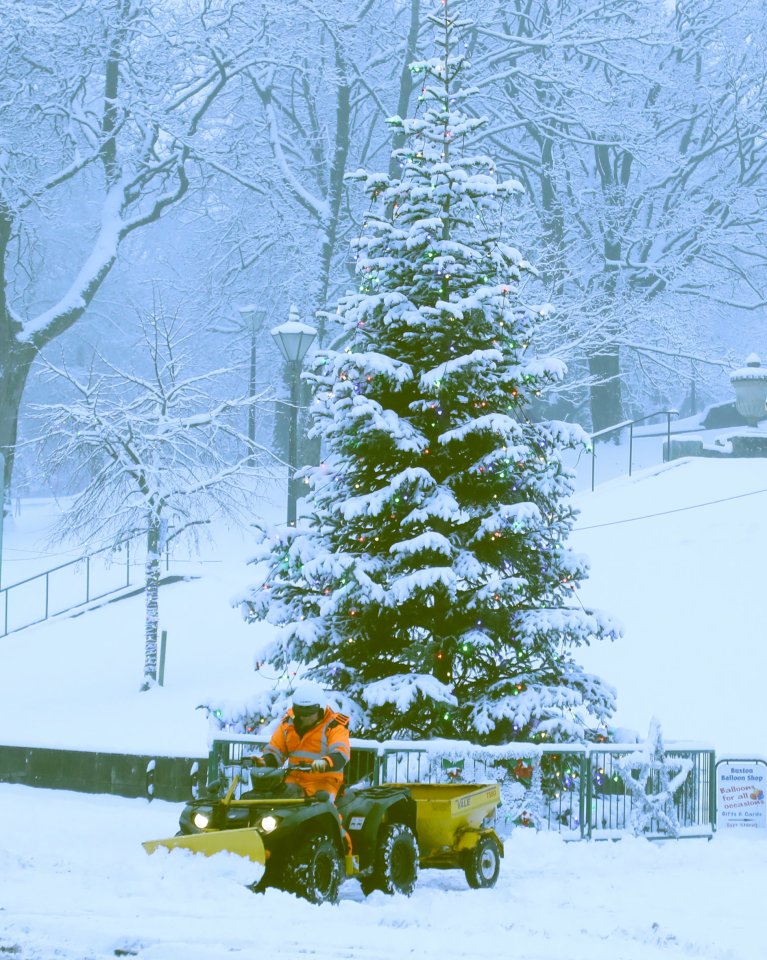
(430, 585)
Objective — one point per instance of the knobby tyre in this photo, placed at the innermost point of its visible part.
(396, 861)
(483, 863)
(314, 870)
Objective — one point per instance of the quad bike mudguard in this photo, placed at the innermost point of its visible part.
(364, 811)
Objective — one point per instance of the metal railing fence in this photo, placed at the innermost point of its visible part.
(618, 427)
(69, 585)
(576, 790)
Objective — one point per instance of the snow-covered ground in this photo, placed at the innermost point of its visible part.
(75, 883)
(677, 554)
(73, 682)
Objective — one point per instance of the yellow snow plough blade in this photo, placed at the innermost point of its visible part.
(245, 842)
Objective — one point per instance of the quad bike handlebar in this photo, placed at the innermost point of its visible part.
(249, 764)
(259, 772)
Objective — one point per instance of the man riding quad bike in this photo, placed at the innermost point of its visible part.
(310, 736)
(308, 844)
(310, 832)
(297, 821)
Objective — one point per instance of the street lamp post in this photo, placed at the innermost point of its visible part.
(252, 320)
(293, 338)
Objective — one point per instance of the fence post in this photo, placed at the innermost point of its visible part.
(2, 511)
(587, 786)
(583, 794)
(161, 664)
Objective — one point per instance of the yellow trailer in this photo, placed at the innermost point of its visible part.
(454, 828)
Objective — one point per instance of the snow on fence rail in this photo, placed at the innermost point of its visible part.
(582, 791)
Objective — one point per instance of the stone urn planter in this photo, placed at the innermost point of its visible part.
(750, 383)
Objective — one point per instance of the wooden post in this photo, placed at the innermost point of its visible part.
(161, 663)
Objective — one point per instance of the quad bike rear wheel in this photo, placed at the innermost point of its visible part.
(314, 870)
(482, 863)
(396, 861)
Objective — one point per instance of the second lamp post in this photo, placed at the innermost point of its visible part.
(293, 338)
(252, 318)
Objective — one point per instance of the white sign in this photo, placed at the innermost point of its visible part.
(741, 794)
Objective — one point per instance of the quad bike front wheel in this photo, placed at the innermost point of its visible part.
(483, 863)
(396, 861)
(314, 870)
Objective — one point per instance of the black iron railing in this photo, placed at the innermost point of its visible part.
(618, 427)
(35, 599)
(577, 790)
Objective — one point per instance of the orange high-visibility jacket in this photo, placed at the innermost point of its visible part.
(328, 740)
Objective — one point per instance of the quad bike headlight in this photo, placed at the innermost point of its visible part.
(201, 820)
(269, 823)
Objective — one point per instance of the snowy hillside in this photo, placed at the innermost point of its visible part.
(677, 552)
(677, 555)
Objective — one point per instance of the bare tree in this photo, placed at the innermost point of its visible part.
(102, 102)
(154, 454)
(638, 132)
(307, 109)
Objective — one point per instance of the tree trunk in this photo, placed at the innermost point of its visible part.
(152, 617)
(604, 366)
(406, 84)
(15, 363)
(14, 366)
(606, 406)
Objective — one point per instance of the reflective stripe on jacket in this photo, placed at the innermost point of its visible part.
(328, 740)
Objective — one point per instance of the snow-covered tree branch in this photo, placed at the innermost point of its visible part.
(102, 102)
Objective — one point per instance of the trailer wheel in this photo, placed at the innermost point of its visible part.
(483, 863)
(314, 870)
(396, 861)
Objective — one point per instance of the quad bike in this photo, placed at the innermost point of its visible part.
(308, 845)
(378, 834)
